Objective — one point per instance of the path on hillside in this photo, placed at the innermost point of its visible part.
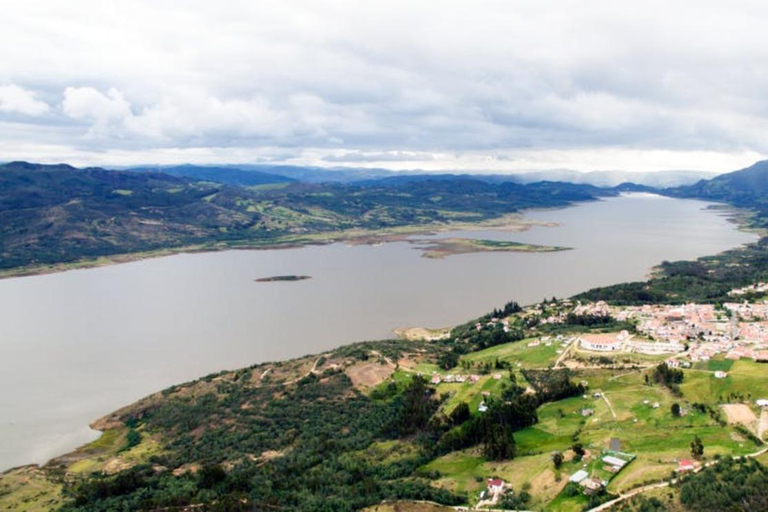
(565, 353)
(610, 406)
(762, 425)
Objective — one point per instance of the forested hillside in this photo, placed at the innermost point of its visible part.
(57, 213)
(746, 188)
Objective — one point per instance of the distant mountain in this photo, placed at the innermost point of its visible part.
(746, 187)
(657, 179)
(311, 174)
(228, 175)
(608, 179)
(260, 174)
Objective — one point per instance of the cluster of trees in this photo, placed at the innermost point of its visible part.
(511, 500)
(553, 385)
(510, 308)
(732, 484)
(494, 429)
(468, 338)
(319, 424)
(669, 377)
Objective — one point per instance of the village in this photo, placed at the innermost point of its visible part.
(706, 339)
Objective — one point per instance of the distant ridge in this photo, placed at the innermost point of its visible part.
(746, 187)
(257, 174)
(227, 175)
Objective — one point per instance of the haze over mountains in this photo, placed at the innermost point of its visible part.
(248, 175)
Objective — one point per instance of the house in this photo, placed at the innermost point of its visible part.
(685, 465)
(497, 376)
(591, 485)
(474, 378)
(579, 476)
(435, 379)
(614, 461)
(449, 378)
(482, 407)
(495, 485)
(761, 402)
(720, 374)
(587, 412)
(601, 342)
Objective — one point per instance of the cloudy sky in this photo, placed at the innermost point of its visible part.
(494, 86)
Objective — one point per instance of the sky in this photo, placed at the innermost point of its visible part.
(440, 85)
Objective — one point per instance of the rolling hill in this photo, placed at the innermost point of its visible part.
(746, 187)
(52, 214)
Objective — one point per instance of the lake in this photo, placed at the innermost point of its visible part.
(77, 345)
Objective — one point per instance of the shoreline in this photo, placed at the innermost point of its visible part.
(513, 223)
(741, 217)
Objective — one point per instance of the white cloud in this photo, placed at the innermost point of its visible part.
(88, 104)
(14, 99)
(562, 79)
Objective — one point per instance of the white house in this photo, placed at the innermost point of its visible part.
(579, 476)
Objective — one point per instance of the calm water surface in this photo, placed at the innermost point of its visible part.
(77, 345)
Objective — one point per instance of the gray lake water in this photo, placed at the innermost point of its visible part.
(76, 345)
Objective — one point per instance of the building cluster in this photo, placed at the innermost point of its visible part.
(449, 379)
(736, 330)
(613, 462)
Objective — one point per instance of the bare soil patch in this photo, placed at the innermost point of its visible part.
(421, 333)
(366, 375)
(740, 413)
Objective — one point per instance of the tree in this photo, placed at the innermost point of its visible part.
(578, 451)
(675, 409)
(132, 439)
(460, 414)
(448, 360)
(557, 460)
(499, 443)
(511, 501)
(416, 407)
(697, 448)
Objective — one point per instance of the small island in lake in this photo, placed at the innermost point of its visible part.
(442, 247)
(281, 278)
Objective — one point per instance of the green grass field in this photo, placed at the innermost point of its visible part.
(654, 434)
(519, 352)
(746, 380)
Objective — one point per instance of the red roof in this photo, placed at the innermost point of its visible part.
(685, 463)
(495, 482)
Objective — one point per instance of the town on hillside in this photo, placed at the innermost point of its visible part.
(625, 428)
